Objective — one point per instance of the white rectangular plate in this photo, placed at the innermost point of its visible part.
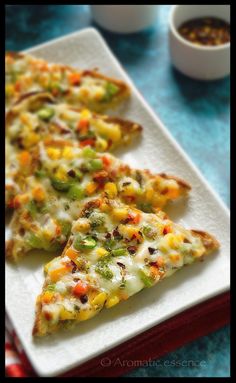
(158, 151)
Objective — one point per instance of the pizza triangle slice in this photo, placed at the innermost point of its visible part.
(38, 117)
(65, 178)
(114, 251)
(25, 73)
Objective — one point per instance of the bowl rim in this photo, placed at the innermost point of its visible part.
(188, 43)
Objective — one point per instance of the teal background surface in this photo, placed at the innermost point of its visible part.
(196, 113)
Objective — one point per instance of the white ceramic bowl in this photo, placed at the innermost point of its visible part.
(124, 18)
(198, 61)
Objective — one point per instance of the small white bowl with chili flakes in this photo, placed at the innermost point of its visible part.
(199, 40)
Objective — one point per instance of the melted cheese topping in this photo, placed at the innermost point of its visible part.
(25, 73)
(121, 258)
(61, 124)
(64, 179)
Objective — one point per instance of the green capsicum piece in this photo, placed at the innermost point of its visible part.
(87, 243)
(46, 114)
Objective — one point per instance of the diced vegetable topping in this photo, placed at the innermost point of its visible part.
(74, 78)
(95, 164)
(51, 287)
(86, 243)
(103, 269)
(111, 90)
(60, 185)
(148, 282)
(80, 289)
(119, 252)
(76, 192)
(40, 173)
(34, 241)
(89, 152)
(65, 227)
(96, 219)
(32, 208)
(46, 114)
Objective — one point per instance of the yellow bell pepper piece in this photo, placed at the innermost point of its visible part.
(99, 299)
(31, 139)
(86, 314)
(101, 252)
(38, 194)
(53, 153)
(101, 144)
(85, 114)
(112, 301)
(111, 189)
(120, 213)
(68, 153)
(47, 296)
(91, 187)
(65, 314)
(56, 274)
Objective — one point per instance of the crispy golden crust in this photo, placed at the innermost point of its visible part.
(13, 247)
(27, 100)
(9, 249)
(124, 90)
(15, 55)
(209, 241)
(37, 95)
(185, 187)
(41, 327)
(127, 126)
(38, 328)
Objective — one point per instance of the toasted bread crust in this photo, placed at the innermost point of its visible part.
(124, 90)
(183, 184)
(126, 125)
(209, 241)
(9, 249)
(37, 329)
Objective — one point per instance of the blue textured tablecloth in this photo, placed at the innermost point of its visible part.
(196, 113)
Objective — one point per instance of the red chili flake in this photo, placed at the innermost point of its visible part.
(186, 240)
(153, 264)
(126, 183)
(121, 265)
(87, 142)
(106, 161)
(166, 230)
(206, 31)
(132, 249)
(71, 173)
(164, 191)
(126, 220)
(151, 250)
(47, 315)
(100, 177)
(130, 199)
(110, 142)
(116, 233)
(83, 299)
